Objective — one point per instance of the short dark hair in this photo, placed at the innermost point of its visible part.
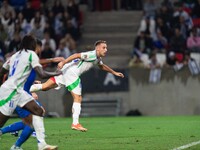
(28, 43)
(99, 42)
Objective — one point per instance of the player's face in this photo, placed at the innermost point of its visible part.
(102, 49)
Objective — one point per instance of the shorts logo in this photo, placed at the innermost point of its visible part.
(11, 104)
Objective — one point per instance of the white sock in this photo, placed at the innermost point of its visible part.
(36, 87)
(76, 110)
(38, 125)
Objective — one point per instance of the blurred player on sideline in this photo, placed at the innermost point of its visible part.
(72, 68)
(26, 115)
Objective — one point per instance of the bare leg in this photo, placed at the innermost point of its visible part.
(49, 84)
(76, 98)
(34, 108)
(76, 110)
(3, 119)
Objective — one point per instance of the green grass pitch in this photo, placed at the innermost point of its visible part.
(117, 133)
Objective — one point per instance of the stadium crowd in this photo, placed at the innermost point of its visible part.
(55, 24)
(171, 28)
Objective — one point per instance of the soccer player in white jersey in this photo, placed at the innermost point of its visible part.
(72, 68)
(18, 68)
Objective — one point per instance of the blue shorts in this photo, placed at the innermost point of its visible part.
(23, 113)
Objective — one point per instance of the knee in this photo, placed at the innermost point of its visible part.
(78, 99)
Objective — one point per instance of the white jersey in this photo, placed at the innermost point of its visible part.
(87, 61)
(73, 70)
(20, 65)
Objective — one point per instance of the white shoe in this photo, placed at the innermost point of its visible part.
(48, 147)
(14, 147)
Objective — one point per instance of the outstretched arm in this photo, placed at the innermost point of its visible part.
(46, 74)
(3, 71)
(51, 60)
(70, 58)
(108, 69)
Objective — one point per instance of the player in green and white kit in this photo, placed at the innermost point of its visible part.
(19, 66)
(72, 68)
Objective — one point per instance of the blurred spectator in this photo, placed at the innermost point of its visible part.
(148, 25)
(155, 68)
(4, 34)
(160, 43)
(73, 9)
(192, 64)
(39, 18)
(196, 10)
(48, 28)
(150, 8)
(188, 58)
(63, 50)
(47, 52)
(57, 7)
(188, 3)
(183, 27)
(28, 11)
(70, 42)
(153, 61)
(50, 17)
(7, 9)
(179, 12)
(171, 59)
(168, 4)
(69, 28)
(25, 26)
(37, 30)
(51, 42)
(193, 41)
(8, 24)
(165, 14)
(162, 27)
(14, 44)
(142, 44)
(58, 27)
(178, 44)
(18, 30)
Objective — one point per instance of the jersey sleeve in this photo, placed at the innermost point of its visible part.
(6, 65)
(35, 60)
(89, 56)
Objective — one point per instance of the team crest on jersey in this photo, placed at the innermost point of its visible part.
(85, 56)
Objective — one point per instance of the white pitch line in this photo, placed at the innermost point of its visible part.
(187, 146)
